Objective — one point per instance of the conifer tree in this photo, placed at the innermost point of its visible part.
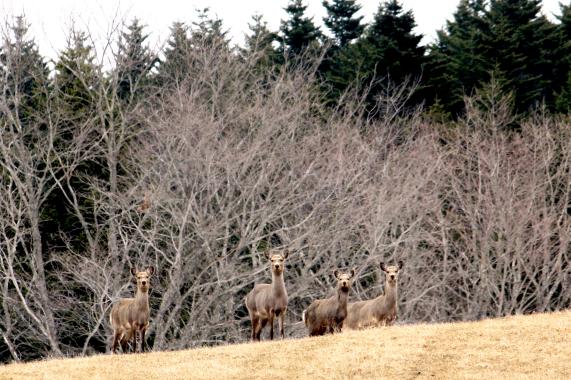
(458, 62)
(208, 32)
(173, 68)
(388, 51)
(341, 20)
(260, 41)
(520, 42)
(134, 60)
(298, 32)
(395, 48)
(24, 73)
(563, 93)
(76, 76)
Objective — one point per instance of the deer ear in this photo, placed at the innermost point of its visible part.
(352, 272)
(383, 267)
(286, 253)
(150, 270)
(400, 265)
(268, 254)
(336, 273)
(133, 271)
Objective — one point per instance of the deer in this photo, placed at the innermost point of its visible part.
(145, 204)
(327, 315)
(380, 311)
(130, 316)
(265, 302)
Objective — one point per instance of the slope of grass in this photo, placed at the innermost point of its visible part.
(534, 347)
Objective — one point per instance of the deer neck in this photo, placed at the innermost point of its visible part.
(342, 297)
(142, 299)
(390, 293)
(278, 284)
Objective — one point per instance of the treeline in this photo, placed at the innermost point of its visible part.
(199, 158)
(510, 43)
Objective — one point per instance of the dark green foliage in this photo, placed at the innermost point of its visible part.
(76, 76)
(260, 43)
(172, 69)
(186, 43)
(338, 66)
(134, 61)
(76, 87)
(563, 99)
(342, 22)
(208, 32)
(24, 73)
(563, 88)
(298, 32)
(391, 40)
(457, 62)
(522, 43)
(388, 53)
(510, 36)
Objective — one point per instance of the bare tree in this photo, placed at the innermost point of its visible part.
(200, 178)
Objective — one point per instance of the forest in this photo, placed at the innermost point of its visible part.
(349, 145)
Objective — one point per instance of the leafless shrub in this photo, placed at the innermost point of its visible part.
(203, 176)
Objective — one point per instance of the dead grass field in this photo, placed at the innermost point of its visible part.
(520, 347)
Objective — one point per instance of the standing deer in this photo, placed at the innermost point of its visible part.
(130, 316)
(380, 311)
(328, 315)
(267, 301)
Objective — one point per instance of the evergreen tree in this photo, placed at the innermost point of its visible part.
(338, 64)
(520, 42)
(510, 37)
(76, 89)
(173, 68)
(298, 32)
(458, 62)
(563, 99)
(24, 74)
(563, 93)
(260, 41)
(388, 51)
(134, 60)
(393, 45)
(208, 32)
(76, 76)
(187, 44)
(342, 22)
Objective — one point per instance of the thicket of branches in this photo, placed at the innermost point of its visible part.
(200, 175)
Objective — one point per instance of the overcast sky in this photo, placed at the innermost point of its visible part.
(51, 19)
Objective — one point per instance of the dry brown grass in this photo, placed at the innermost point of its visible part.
(522, 347)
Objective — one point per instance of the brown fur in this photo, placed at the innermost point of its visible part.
(145, 204)
(380, 311)
(130, 316)
(328, 315)
(267, 301)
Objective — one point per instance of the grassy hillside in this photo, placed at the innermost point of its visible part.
(535, 346)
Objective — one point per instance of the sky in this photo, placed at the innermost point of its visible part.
(51, 20)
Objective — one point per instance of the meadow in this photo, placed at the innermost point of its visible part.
(517, 347)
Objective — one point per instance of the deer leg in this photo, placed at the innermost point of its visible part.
(116, 336)
(124, 344)
(261, 325)
(254, 327)
(143, 330)
(281, 323)
(271, 322)
(135, 340)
